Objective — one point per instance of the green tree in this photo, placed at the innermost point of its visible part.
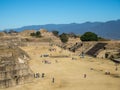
(64, 37)
(12, 31)
(55, 33)
(32, 34)
(38, 34)
(89, 36)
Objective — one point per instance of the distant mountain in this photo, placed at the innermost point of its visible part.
(109, 29)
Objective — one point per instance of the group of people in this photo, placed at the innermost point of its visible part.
(52, 49)
(37, 75)
(46, 62)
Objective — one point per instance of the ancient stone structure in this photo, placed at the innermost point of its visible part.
(14, 68)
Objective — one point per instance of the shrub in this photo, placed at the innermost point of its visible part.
(89, 36)
(63, 37)
(32, 34)
(55, 33)
(37, 34)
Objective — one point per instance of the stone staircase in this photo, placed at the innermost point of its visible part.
(85, 47)
(95, 49)
(76, 46)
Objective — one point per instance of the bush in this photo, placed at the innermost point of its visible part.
(37, 34)
(12, 31)
(55, 33)
(32, 34)
(89, 36)
(63, 37)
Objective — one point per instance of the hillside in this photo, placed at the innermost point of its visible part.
(70, 70)
(109, 29)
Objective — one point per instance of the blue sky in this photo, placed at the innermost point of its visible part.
(17, 13)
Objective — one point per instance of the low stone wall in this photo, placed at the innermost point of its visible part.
(35, 43)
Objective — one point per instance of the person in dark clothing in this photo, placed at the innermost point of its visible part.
(43, 75)
(53, 80)
(85, 75)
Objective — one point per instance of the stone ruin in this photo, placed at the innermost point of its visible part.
(14, 68)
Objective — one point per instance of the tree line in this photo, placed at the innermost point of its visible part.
(87, 36)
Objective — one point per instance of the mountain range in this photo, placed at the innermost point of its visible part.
(109, 29)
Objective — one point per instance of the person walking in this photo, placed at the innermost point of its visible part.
(85, 75)
(53, 80)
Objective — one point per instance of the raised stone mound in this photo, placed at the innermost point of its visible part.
(49, 36)
(14, 68)
(2, 34)
(43, 31)
(26, 32)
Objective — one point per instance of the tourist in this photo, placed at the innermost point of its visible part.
(43, 75)
(53, 80)
(85, 75)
